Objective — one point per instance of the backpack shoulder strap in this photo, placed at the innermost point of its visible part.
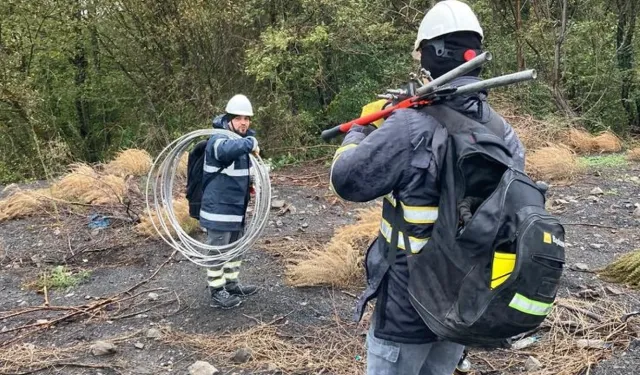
(441, 111)
(397, 226)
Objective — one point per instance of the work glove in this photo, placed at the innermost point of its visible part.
(255, 149)
(366, 129)
(372, 107)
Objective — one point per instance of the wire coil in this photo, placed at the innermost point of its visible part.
(159, 199)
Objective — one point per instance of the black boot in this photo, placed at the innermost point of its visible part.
(235, 289)
(221, 298)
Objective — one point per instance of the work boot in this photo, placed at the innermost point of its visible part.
(221, 298)
(240, 290)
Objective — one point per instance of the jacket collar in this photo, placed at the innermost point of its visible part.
(222, 122)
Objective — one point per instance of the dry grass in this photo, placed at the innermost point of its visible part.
(333, 349)
(579, 140)
(533, 133)
(181, 210)
(181, 171)
(130, 162)
(560, 349)
(607, 142)
(553, 163)
(338, 263)
(22, 203)
(624, 270)
(83, 184)
(28, 358)
(634, 154)
(583, 142)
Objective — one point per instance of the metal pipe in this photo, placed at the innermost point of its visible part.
(504, 80)
(454, 73)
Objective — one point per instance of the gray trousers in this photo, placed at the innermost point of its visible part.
(227, 273)
(386, 357)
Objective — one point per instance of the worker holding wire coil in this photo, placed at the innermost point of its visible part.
(224, 171)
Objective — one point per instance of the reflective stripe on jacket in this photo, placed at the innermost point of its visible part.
(225, 180)
(398, 163)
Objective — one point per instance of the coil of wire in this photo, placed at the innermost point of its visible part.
(159, 199)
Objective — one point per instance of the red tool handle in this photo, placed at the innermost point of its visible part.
(368, 119)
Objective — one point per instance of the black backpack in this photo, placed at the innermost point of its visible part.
(195, 167)
(492, 267)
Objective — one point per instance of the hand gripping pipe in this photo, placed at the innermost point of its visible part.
(159, 199)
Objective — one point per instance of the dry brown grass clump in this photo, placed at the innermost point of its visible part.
(181, 171)
(634, 154)
(334, 349)
(533, 133)
(22, 203)
(83, 184)
(339, 263)
(181, 210)
(607, 142)
(130, 162)
(624, 270)
(553, 163)
(575, 337)
(583, 142)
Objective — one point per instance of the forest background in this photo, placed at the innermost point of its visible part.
(82, 79)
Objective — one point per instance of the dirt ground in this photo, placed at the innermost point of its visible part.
(135, 284)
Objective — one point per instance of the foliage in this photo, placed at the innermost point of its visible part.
(82, 80)
(60, 277)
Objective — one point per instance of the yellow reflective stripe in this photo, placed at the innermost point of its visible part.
(415, 243)
(214, 273)
(231, 276)
(529, 306)
(335, 157)
(217, 283)
(420, 215)
(343, 149)
(235, 264)
(416, 214)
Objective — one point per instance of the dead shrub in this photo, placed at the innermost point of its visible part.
(22, 203)
(583, 142)
(634, 154)
(132, 161)
(533, 133)
(180, 209)
(83, 184)
(553, 163)
(579, 140)
(607, 142)
(338, 263)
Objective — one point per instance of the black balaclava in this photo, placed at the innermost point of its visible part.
(445, 53)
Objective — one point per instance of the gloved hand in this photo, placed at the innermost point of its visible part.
(372, 107)
(366, 129)
(256, 149)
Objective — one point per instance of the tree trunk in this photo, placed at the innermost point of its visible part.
(627, 12)
(561, 101)
(519, 49)
(79, 61)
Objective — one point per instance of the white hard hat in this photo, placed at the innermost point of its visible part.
(446, 17)
(239, 105)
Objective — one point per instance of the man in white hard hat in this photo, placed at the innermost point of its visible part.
(226, 193)
(400, 161)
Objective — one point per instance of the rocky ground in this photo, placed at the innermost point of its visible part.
(154, 309)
